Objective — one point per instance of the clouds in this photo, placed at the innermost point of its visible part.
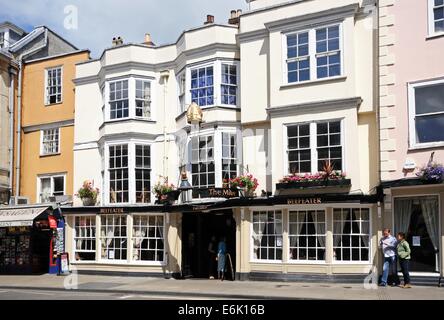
(100, 20)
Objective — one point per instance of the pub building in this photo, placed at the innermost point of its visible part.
(30, 239)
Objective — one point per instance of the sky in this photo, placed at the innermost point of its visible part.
(98, 21)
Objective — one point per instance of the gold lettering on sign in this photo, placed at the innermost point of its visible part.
(111, 210)
(305, 201)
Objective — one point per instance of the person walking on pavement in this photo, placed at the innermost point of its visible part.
(388, 244)
(403, 250)
(221, 253)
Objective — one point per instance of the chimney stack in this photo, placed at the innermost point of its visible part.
(117, 41)
(235, 17)
(148, 40)
(210, 19)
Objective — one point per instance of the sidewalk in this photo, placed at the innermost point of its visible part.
(217, 289)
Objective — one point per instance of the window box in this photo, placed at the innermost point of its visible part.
(314, 184)
(169, 197)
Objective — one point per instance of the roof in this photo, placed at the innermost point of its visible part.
(12, 26)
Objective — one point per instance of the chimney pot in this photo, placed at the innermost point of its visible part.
(210, 19)
(233, 14)
(239, 12)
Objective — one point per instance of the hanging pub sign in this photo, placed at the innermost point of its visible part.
(304, 201)
(216, 193)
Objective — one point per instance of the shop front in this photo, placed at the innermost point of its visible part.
(27, 240)
(415, 207)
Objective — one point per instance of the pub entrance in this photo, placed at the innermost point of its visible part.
(197, 231)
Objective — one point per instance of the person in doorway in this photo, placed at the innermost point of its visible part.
(388, 244)
(403, 250)
(221, 253)
(212, 247)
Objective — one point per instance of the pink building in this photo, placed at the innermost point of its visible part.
(411, 50)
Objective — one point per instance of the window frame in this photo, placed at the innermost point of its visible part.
(411, 87)
(312, 54)
(237, 65)
(46, 87)
(266, 210)
(74, 237)
(42, 135)
(127, 237)
(51, 177)
(289, 235)
(145, 100)
(313, 144)
(132, 79)
(131, 143)
(431, 19)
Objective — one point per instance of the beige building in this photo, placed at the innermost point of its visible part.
(284, 89)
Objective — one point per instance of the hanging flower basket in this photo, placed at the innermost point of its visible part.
(246, 184)
(432, 173)
(165, 193)
(88, 193)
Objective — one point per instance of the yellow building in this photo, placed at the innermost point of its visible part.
(47, 121)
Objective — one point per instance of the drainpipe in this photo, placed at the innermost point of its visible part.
(165, 75)
(12, 72)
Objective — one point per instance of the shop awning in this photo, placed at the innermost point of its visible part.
(18, 217)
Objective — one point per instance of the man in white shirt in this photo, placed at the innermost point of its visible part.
(388, 244)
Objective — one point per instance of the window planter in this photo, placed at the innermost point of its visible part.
(168, 198)
(314, 184)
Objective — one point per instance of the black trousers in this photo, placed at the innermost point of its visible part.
(405, 265)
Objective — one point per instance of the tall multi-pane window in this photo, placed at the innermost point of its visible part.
(118, 174)
(329, 144)
(50, 141)
(181, 79)
(143, 174)
(229, 84)
(328, 52)
(202, 161)
(307, 235)
(51, 186)
(143, 99)
(436, 16)
(267, 235)
(118, 99)
(312, 145)
(85, 238)
(113, 237)
(299, 153)
(202, 86)
(298, 57)
(54, 85)
(351, 234)
(426, 104)
(148, 238)
(229, 156)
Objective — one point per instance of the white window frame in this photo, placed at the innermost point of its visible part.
(165, 237)
(131, 173)
(128, 237)
(131, 98)
(149, 99)
(46, 88)
(42, 148)
(306, 261)
(74, 237)
(266, 210)
(217, 151)
(312, 53)
(217, 82)
(412, 114)
(370, 246)
(313, 144)
(182, 92)
(49, 176)
(431, 19)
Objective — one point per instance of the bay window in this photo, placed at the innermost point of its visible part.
(229, 156)
(426, 113)
(229, 84)
(85, 238)
(313, 54)
(202, 161)
(129, 173)
(129, 98)
(267, 235)
(202, 86)
(307, 235)
(311, 145)
(351, 234)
